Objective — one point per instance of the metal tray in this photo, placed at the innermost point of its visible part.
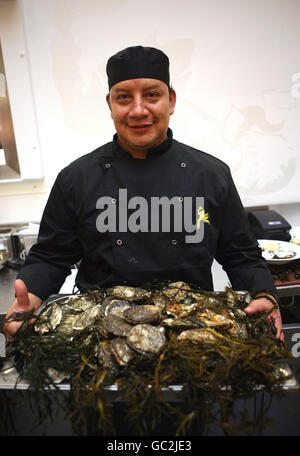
(10, 380)
(9, 377)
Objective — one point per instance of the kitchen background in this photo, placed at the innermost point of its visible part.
(235, 66)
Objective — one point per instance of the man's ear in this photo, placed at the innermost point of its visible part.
(172, 101)
(108, 101)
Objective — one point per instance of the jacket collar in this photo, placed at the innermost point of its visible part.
(155, 151)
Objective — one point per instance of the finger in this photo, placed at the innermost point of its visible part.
(10, 328)
(258, 306)
(276, 321)
(249, 309)
(22, 295)
(278, 326)
(261, 304)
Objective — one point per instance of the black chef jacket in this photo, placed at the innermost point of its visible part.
(68, 233)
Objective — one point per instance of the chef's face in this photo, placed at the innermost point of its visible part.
(141, 109)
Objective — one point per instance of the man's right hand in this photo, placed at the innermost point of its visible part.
(24, 302)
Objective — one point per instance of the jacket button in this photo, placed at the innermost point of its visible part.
(174, 242)
(119, 242)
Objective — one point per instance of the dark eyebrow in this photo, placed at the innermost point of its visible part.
(122, 89)
(119, 89)
(154, 86)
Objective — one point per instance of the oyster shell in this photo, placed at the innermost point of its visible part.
(129, 293)
(210, 300)
(232, 297)
(212, 319)
(146, 339)
(177, 290)
(102, 330)
(181, 309)
(281, 254)
(49, 319)
(56, 376)
(104, 354)
(200, 335)
(86, 318)
(237, 328)
(66, 325)
(77, 304)
(182, 301)
(114, 306)
(146, 313)
(121, 351)
(116, 325)
(178, 323)
(159, 300)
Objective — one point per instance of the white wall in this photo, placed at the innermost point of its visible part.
(234, 66)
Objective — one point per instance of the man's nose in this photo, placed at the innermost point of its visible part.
(138, 107)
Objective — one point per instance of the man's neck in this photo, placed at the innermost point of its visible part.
(138, 154)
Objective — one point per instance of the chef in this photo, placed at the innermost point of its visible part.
(144, 206)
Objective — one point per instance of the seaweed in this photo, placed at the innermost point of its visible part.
(212, 376)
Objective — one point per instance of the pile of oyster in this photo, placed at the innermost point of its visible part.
(132, 320)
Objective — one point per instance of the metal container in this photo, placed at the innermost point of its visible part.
(22, 242)
(6, 247)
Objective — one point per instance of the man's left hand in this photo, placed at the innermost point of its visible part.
(265, 305)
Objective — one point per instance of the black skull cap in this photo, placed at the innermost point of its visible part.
(138, 62)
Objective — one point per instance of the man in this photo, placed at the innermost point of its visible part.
(146, 163)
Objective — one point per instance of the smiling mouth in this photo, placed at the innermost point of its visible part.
(140, 126)
(140, 129)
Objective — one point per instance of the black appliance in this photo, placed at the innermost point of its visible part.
(269, 225)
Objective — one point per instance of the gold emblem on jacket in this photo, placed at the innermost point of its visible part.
(202, 215)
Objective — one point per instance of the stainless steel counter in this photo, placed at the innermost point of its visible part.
(288, 290)
(9, 380)
(7, 292)
(284, 418)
